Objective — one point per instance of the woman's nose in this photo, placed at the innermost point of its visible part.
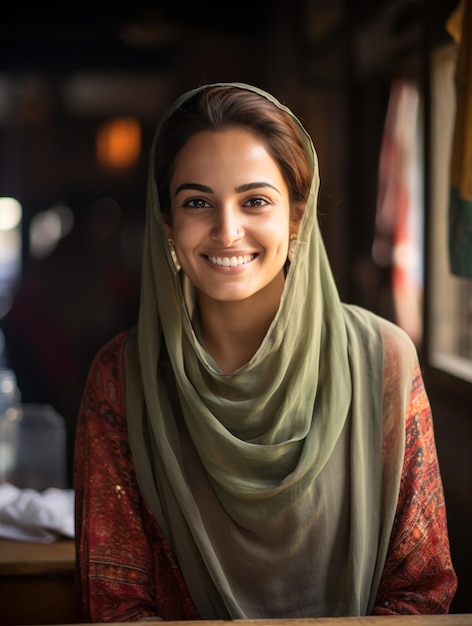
(228, 225)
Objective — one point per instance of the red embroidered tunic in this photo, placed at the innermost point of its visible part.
(126, 569)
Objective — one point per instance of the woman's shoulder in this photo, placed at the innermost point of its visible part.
(400, 353)
(396, 342)
(106, 372)
(112, 350)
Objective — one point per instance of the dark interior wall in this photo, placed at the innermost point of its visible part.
(451, 404)
(332, 62)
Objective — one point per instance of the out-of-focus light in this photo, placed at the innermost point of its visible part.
(10, 213)
(119, 143)
(48, 227)
(10, 249)
(45, 232)
(66, 217)
(10, 266)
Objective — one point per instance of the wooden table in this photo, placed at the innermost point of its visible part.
(37, 583)
(387, 620)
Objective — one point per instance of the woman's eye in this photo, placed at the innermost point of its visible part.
(196, 203)
(256, 201)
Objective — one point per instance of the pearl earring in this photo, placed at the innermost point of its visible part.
(291, 246)
(173, 254)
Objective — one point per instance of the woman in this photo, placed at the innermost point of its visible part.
(254, 448)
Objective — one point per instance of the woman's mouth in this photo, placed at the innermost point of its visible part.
(231, 261)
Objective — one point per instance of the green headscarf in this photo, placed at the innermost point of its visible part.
(261, 435)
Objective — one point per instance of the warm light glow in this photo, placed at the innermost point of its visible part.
(119, 143)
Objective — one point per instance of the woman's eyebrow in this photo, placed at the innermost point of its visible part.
(240, 189)
(257, 185)
(193, 186)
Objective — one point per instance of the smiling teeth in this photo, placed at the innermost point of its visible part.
(232, 261)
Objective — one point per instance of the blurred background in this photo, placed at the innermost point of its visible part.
(81, 92)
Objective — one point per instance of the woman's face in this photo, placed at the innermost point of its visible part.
(230, 215)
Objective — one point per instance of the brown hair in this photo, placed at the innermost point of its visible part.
(217, 108)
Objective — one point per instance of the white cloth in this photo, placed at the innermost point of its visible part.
(29, 515)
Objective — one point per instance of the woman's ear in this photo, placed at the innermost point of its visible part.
(296, 214)
(168, 228)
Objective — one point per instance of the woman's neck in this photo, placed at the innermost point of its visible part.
(233, 331)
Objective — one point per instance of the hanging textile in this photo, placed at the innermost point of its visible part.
(460, 203)
(398, 241)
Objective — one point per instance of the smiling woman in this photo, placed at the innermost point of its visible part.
(254, 448)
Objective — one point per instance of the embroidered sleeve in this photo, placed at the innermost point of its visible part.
(114, 566)
(418, 576)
